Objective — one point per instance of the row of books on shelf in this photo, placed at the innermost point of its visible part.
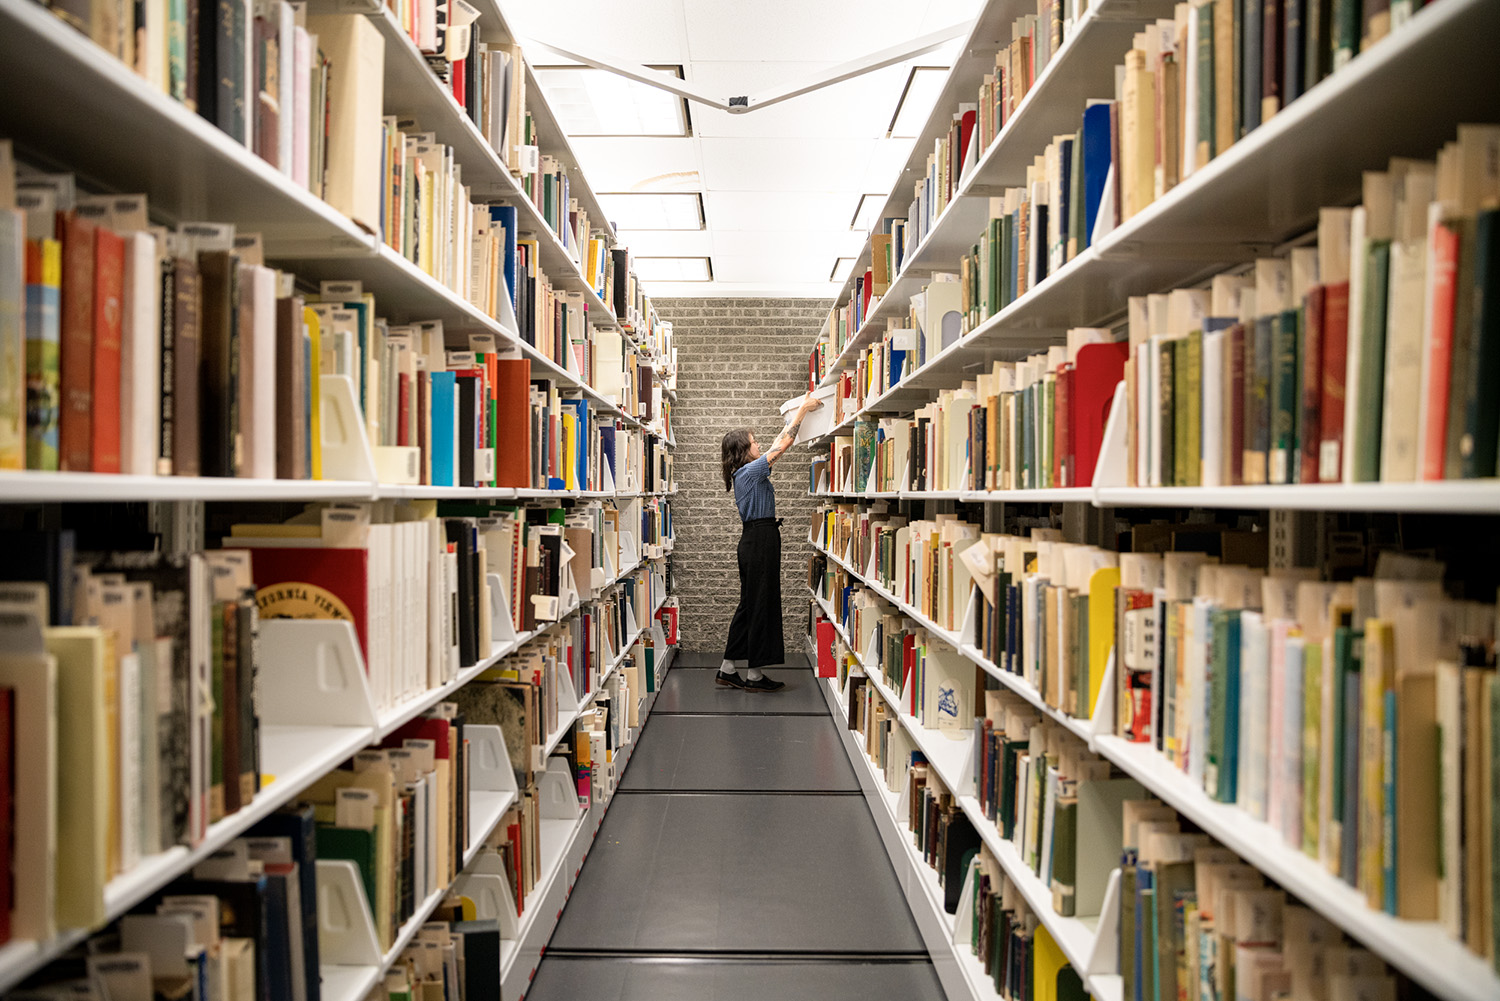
(1034, 423)
(918, 561)
(164, 664)
(1191, 918)
(1189, 88)
(148, 352)
(244, 925)
(1348, 706)
(305, 92)
(1363, 358)
(932, 324)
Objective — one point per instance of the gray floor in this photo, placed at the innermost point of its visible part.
(738, 860)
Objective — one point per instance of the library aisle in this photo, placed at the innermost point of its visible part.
(739, 859)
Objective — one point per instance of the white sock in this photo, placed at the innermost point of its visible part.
(727, 667)
(753, 674)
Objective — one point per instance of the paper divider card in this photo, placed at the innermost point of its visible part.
(1104, 957)
(1103, 721)
(967, 627)
(963, 921)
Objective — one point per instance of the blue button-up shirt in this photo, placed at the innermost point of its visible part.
(753, 493)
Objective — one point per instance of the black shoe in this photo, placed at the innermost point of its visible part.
(763, 685)
(729, 680)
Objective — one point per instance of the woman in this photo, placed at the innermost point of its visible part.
(755, 639)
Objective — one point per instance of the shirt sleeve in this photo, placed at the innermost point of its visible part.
(755, 471)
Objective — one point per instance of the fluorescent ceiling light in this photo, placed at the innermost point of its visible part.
(841, 269)
(674, 269)
(867, 213)
(595, 102)
(924, 84)
(634, 210)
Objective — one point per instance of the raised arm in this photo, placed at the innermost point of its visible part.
(789, 434)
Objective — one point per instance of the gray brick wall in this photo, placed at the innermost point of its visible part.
(739, 359)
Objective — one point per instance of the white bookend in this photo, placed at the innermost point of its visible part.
(1104, 958)
(489, 763)
(346, 931)
(312, 674)
(1103, 721)
(502, 627)
(558, 795)
(1110, 469)
(491, 864)
(963, 921)
(971, 615)
(567, 692)
(487, 891)
(346, 448)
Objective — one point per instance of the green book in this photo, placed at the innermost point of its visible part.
(1224, 719)
(1080, 654)
(1482, 404)
(992, 270)
(351, 844)
(1065, 849)
(1312, 701)
(1315, 37)
(1049, 412)
(1347, 26)
(1286, 395)
(1192, 402)
(1206, 120)
(1175, 890)
(1370, 379)
(1237, 102)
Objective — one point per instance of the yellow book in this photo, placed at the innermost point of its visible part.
(1051, 973)
(1377, 676)
(1137, 135)
(83, 774)
(1102, 587)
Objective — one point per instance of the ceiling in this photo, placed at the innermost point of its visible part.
(781, 185)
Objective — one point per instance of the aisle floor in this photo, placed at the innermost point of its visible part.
(738, 861)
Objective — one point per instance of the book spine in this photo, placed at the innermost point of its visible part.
(1285, 397)
(1437, 365)
(1310, 421)
(77, 353)
(1371, 377)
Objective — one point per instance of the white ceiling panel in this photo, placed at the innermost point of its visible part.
(794, 211)
(779, 186)
(778, 164)
(855, 108)
(644, 31)
(781, 30)
(626, 164)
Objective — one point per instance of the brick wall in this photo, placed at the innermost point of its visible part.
(738, 359)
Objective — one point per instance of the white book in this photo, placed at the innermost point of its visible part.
(31, 674)
(1401, 412)
(1256, 724)
(300, 92)
(1212, 436)
(140, 356)
(258, 376)
(1199, 706)
(1289, 782)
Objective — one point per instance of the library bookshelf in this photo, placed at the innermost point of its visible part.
(97, 119)
(1259, 197)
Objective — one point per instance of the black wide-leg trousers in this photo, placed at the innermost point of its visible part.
(755, 631)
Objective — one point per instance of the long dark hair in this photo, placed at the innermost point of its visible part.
(736, 450)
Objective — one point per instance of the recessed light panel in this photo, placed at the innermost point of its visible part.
(674, 269)
(924, 84)
(595, 102)
(633, 210)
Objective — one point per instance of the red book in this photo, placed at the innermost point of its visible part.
(1310, 423)
(460, 82)
(109, 297)
(966, 139)
(312, 582)
(513, 410)
(869, 285)
(403, 411)
(75, 431)
(1335, 360)
(1096, 373)
(827, 665)
(1439, 361)
(1235, 345)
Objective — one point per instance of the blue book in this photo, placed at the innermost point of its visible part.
(607, 446)
(505, 215)
(1064, 192)
(297, 825)
(580, 410)
(444, 428)
(1097, 153)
